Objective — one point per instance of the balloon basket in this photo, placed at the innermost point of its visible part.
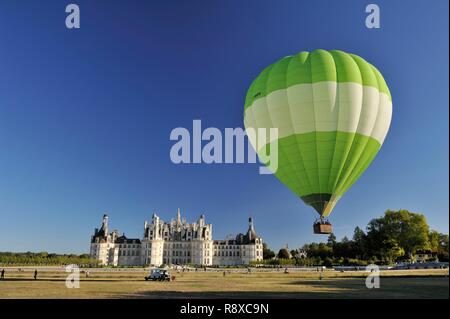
(322, 226)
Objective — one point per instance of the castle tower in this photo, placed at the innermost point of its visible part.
(105, 224)
(251, 229)
(178, 217)
(201, 221)
(250, 224)
(156, 226)
(145, 229)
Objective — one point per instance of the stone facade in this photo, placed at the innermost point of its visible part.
(176, 242)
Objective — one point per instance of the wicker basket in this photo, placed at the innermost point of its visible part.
(321, 228)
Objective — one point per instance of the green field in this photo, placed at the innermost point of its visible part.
(127, 283)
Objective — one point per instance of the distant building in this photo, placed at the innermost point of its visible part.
(301, 253)
(176, 242)
(423, 255)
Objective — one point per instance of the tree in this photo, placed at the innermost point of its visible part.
(328, 262)
(43, 254)
(345, 248)
(434, 239)
(359, 242)
(393, 251)
(407, 230)
(443, 250)
(283, 253)
(331, 240)
(267, 253)
(358, 235)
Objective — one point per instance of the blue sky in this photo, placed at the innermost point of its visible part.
(85, 115)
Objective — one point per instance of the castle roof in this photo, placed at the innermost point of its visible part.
(124, 240)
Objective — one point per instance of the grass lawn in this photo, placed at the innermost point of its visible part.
(306, 284)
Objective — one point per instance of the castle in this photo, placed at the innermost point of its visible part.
(176, 242)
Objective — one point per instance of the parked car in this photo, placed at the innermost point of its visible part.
(158, 274)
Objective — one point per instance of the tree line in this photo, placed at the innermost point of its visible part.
(395, 237)
(45, 259)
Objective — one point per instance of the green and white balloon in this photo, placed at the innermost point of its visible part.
(332, 110)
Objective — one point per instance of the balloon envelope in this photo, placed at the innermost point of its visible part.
(332, 110)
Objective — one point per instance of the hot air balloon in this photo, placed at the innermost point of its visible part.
(332, 110)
